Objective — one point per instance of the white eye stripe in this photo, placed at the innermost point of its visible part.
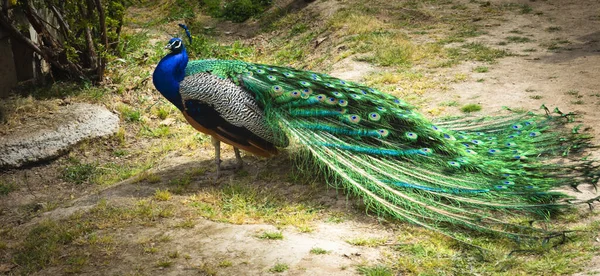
(177, 44)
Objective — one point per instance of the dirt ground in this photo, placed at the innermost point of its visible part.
(566, 77)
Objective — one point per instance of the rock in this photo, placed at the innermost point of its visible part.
(68, 126)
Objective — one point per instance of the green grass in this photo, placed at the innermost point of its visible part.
(164, 263)
(187, 223)
(240, 203)
(573, 92)
(449, 103)
(578, 102)
(518, 39)
(318, 251)
(162, 195)
(476, 51)
(6, 187)
(481, 69)
(368, 242)
(377, 270)
(470, 108)
(43, 244)
(279, 267)
(80, 173)
(129, 113)
(271, 235)
(225, 263)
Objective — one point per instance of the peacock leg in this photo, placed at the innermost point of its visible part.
(238, 158)
(217, 144)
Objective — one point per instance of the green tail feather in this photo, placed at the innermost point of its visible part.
(454, 173)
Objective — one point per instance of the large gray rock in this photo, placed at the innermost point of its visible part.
(69, 125)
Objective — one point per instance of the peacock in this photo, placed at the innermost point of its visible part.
(458, 176)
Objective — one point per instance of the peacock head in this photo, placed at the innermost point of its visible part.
(175, 45)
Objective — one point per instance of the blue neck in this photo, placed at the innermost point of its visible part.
(167, 75)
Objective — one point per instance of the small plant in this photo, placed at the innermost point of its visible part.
(279, 267)
(525, 9)
(173, 254)
(369, 242)
(187, 223)
(377, 270)
(6, 187)
(470, 108)
(518, 39)
(79, 173)
(271, 236)
(536, 97)
(449, 103)
(572, 92)
(162, 195)
(225, 263)
(150, 249)
(162, 112)
(120, 152)
(129, 114)
(318, 251)
(481, 69)
(164, 263)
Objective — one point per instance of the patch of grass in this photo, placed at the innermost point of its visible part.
(6, 187)
(377, 270)
(240, 203)
(42, 245)
(459, 77)
(336, 217)
(225, 263)
(148, 177)
(476, 51)
(578, 102)
(553, 29)
(150, 249)
(530, 50)
(279, 267)
(181, 183)
(206, 47)
(271, 235)
(163, 111)
(162, 195)
(173, 254)
(368, 242)
(518, 39)
(79, 173)
(536, 97)
(470, 108)
(128, 113)
(165, 263)
(318, 251)
(573, 92)
(449, 103)
(187, 223)
(481, 69)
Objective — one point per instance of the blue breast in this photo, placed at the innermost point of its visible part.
(167, 75)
